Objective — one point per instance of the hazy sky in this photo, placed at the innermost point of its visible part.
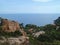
(25, 10)
(29, 6)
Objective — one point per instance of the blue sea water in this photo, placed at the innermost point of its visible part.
(38, 19)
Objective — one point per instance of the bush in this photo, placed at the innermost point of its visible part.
(46, 38)
(10, 34)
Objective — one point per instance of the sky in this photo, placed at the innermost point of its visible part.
(29, 6)
(39, 12)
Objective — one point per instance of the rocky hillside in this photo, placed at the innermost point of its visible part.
(12, 26)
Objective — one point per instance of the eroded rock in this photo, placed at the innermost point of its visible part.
(12, 26)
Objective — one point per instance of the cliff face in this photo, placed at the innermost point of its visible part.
(12, 26)
(9, 26)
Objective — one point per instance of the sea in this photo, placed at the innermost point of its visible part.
(36, 19)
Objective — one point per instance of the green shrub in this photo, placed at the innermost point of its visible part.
(10, 34)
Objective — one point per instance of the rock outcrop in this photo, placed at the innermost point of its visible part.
(14, 41)
(38, 33)
(9, 26)
(12, 26)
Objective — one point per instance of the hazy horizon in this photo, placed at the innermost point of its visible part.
(37, 19)
(39, 12)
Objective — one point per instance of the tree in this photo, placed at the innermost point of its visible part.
(1, 21)
(49, 27)
(45, 38)
(31, 26)
(21, 25)
(57, 21)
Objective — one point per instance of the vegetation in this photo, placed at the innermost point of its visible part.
(10, 34)
(57, 21)
(51, 36)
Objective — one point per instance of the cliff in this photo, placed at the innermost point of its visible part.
(12, 26)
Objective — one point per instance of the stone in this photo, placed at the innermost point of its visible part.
(12, 26)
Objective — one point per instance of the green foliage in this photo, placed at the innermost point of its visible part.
(34, 28)
(10, 34)
(45, 38)
(34, 41)
(0, 27)
(51, 36)
(21, 25)
(49, 27)
(31, 26)
(57, 21)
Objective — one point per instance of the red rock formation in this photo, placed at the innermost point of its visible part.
(11, 26)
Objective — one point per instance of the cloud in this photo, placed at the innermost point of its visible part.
(42, 0)
(46, 9)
